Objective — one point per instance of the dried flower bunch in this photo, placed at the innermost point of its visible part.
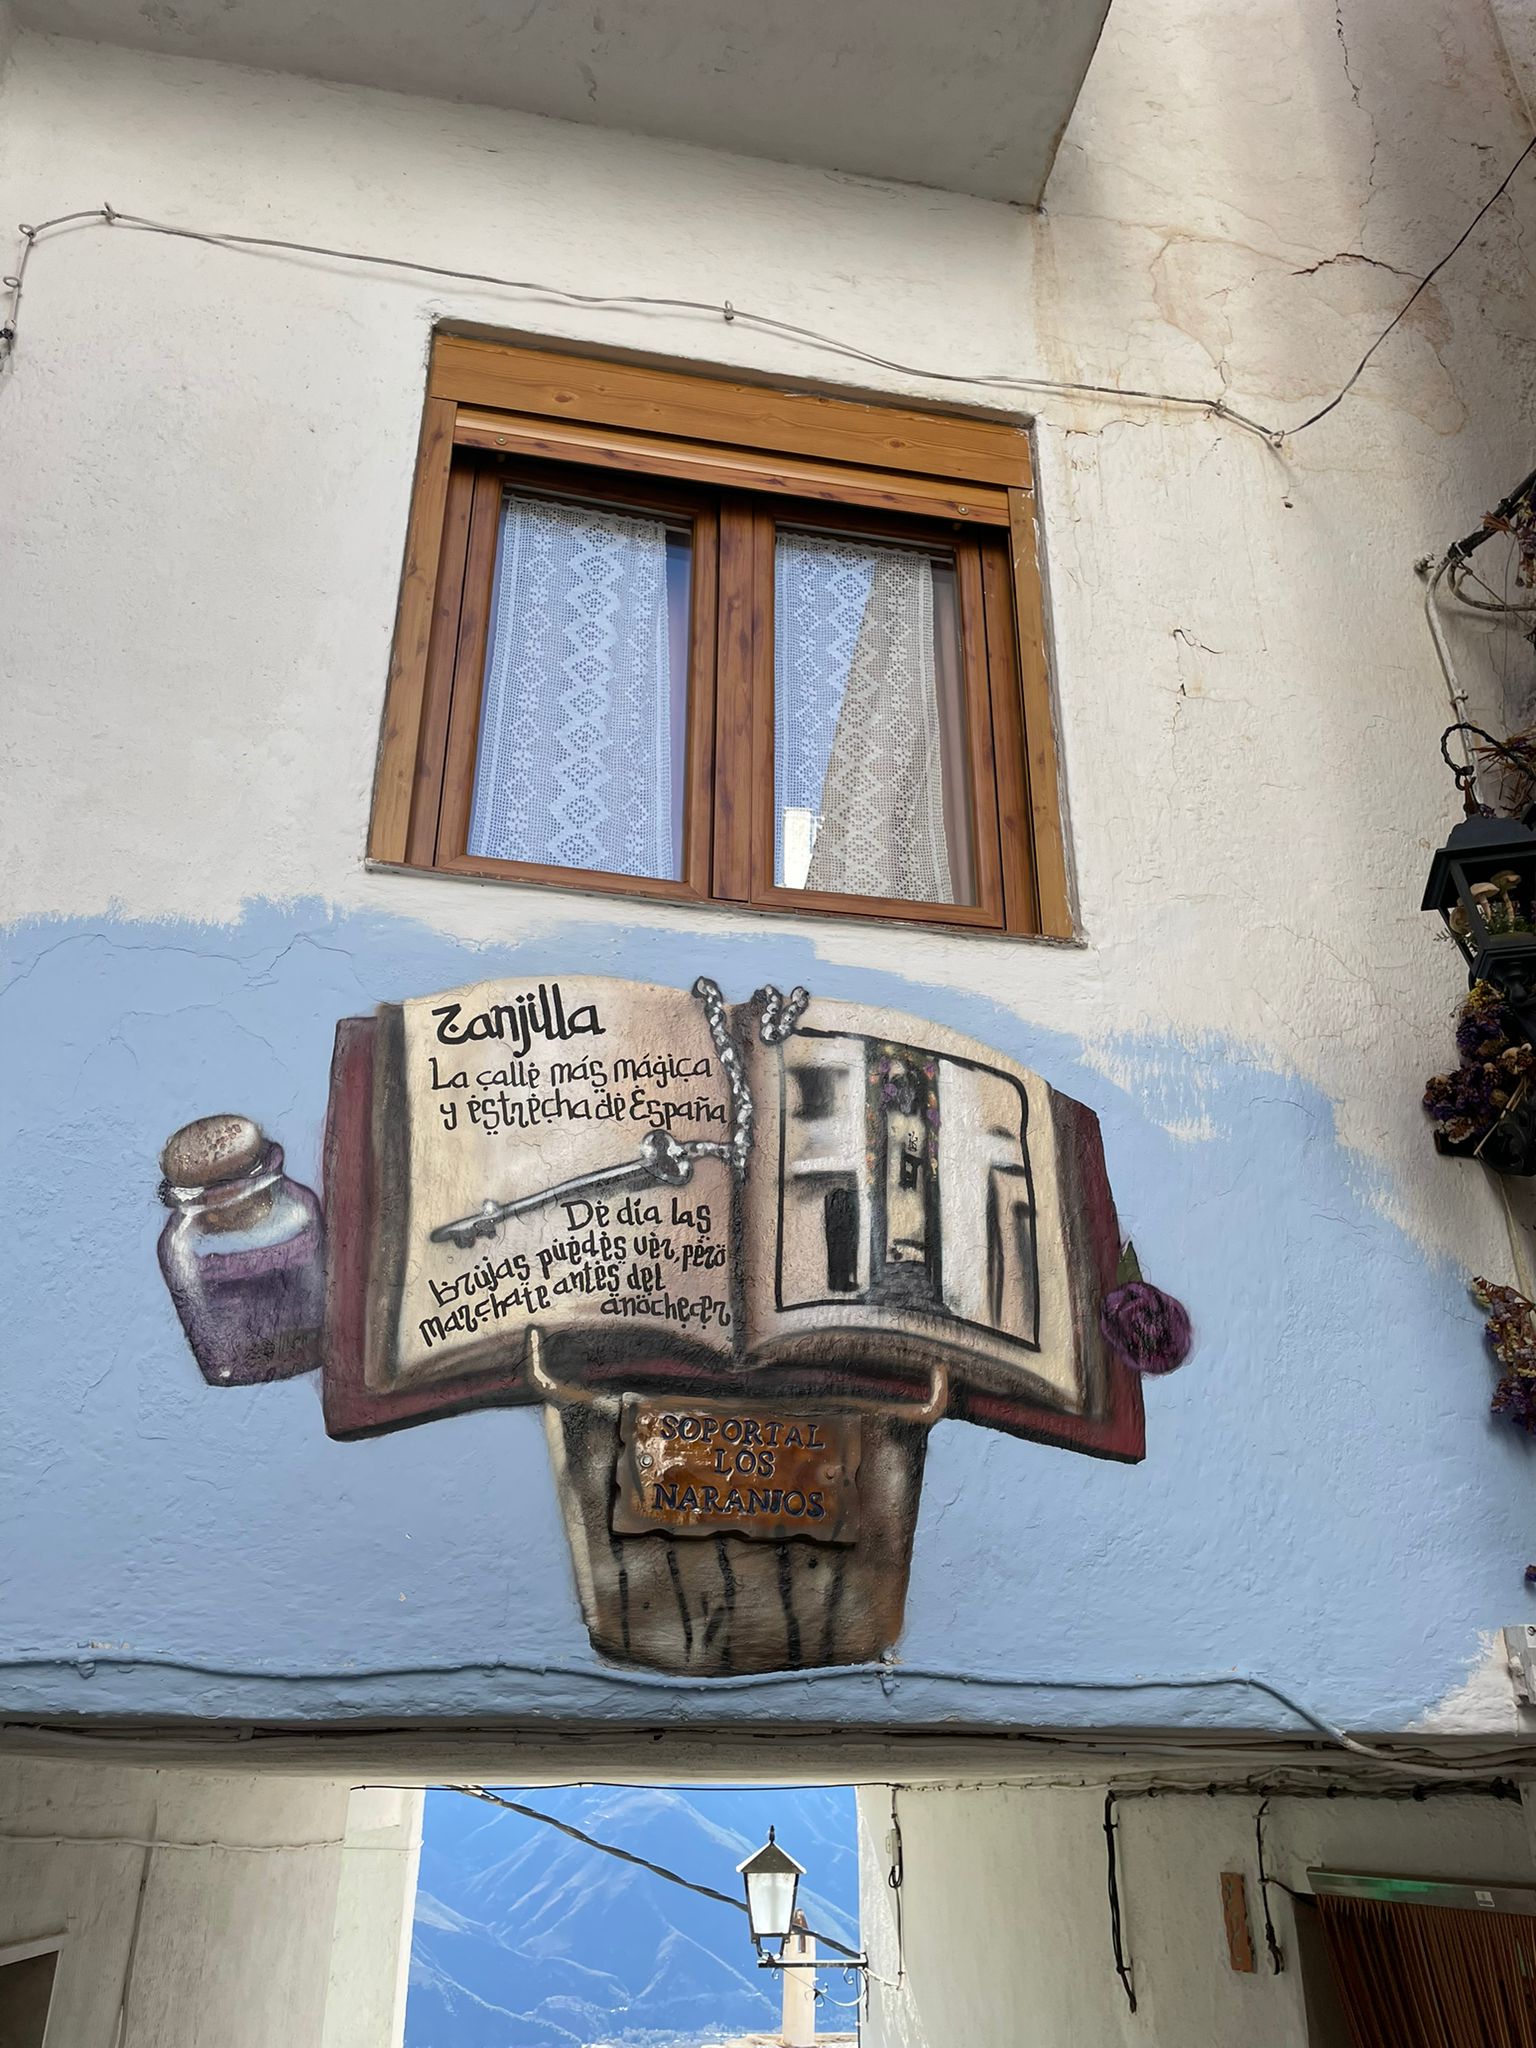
(1148, 1328)
(1512, 1334)
(1519, 522)
(1512, 765)
(1495, 1070)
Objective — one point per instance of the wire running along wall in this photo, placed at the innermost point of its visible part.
(1213, 407)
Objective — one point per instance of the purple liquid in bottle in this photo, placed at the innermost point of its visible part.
(243, 1253)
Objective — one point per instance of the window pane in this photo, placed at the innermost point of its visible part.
(871, 784)
(584, 713)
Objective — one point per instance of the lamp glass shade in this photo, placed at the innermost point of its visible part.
(771, 1879)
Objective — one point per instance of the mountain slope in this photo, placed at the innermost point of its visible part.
(527, 1939)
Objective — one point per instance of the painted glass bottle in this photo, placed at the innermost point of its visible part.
(242, 1252)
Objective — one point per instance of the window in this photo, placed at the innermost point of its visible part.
(670, 636)
(27, 1971)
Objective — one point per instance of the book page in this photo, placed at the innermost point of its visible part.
(504, 1092)
(904, 1202)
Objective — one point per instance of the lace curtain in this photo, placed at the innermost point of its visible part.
(857, 730)
(575, 756)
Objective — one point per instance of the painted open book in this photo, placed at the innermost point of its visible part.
(594, 1183)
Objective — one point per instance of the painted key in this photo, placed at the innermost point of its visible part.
(662, 1161)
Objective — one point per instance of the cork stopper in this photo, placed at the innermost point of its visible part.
(214, 1149)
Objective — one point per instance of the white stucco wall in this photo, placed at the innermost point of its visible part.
(974, 100)
(275, 1909)
(207, 468)
(1004, 1915)
(375, 1909)
(1249, 702)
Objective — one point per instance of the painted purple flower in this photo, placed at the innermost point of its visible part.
(1149, 1329)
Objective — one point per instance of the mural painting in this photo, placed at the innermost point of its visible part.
(746, 1257)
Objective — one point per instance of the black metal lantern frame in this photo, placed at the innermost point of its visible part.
(1483, 884)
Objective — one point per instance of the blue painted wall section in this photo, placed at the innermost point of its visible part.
(1324, 1500)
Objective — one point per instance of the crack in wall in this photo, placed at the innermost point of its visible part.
(1353, 256)
(1354, 93)
(1338, 23)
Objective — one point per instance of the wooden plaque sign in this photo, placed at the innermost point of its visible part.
(697, 1468)
(1234, 1911)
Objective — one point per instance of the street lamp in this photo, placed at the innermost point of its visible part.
(771, 1879)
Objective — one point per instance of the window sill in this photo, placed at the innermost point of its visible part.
(666, 897)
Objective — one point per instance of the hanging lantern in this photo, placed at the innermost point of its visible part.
(1483, 883)
(771, 1878)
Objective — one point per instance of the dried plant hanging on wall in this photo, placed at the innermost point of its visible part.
(1512, 1334)
(1485, 1108)
(1511, 764)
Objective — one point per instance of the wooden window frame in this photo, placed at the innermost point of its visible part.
(455, 699)
(737, 461)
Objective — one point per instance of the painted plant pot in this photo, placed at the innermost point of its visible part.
(819, 1579)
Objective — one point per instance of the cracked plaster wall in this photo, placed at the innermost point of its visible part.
(1516, 22)
(1018, 1874)
(210, 460)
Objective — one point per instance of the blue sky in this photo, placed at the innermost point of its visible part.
(525, 1938)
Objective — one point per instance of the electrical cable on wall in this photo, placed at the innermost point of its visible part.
(166, 1842)
(1217, 407)
(86, 1659)
(1447, 568)
(1203, 1787)
(1166, 1747)
(766, 323)
(1423, 285)
(1116, 1931)
(895, 1878)
(1271, 1939)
